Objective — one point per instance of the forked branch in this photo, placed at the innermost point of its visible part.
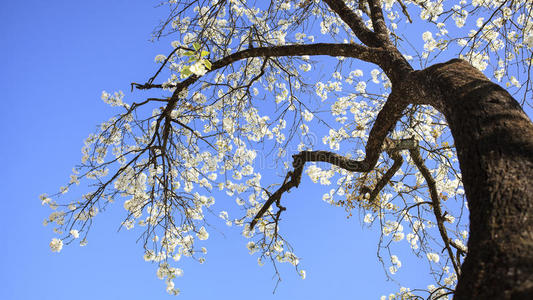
(398, 161)
(355, 22)
(293, 178)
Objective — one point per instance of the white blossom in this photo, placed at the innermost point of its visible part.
(434, 257)
(75, 234)
(56, 245)
(160, 58)
(202, 234)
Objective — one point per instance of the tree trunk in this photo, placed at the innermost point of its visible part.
(494, 141)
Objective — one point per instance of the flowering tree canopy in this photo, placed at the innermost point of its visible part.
(346, 93)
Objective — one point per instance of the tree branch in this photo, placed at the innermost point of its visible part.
(378, 22)
(293, 178)
(398, 161)
(419, 162)
(368, 54)
(372, 55)
(355, 22)
(405, 12)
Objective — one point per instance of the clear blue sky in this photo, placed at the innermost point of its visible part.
(56, 58)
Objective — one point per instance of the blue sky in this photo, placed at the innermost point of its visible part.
(56, 58)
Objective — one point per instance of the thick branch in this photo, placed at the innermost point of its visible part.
(293, 178)
(392, 61)
(385, 122)
(378, 22)
(355, 22)
(361, 52)
(372, 55)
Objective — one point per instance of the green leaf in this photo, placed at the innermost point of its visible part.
(204, 53)
(207, 64)
(196, 46)
(186, 71)
(189, 53)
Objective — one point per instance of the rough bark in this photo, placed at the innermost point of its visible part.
(494, 141)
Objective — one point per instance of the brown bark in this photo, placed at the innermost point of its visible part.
(494, 141)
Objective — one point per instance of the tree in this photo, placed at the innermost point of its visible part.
(236, 79)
